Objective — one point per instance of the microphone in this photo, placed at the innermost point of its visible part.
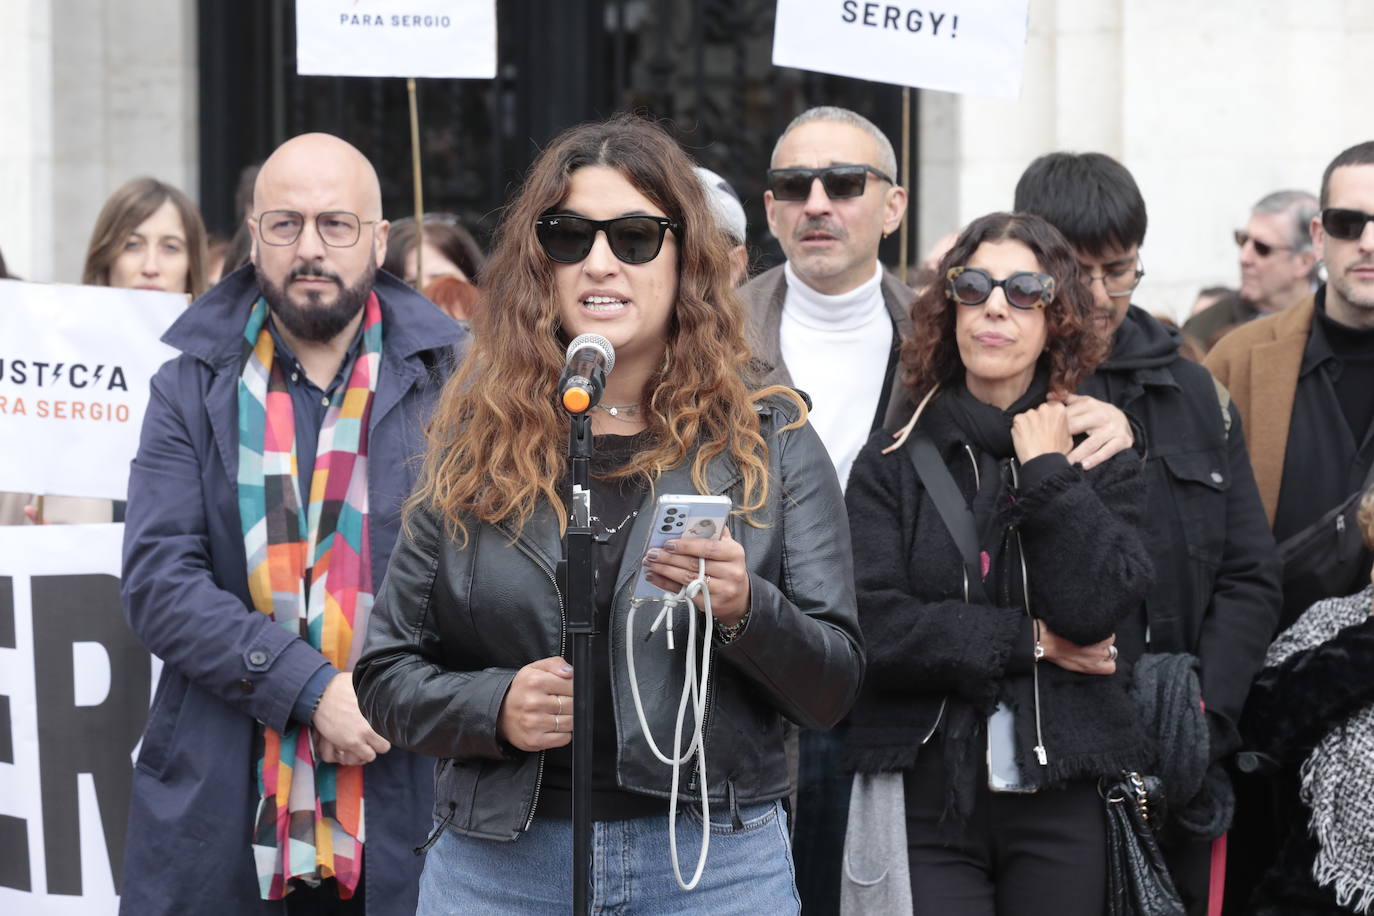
(589, 359)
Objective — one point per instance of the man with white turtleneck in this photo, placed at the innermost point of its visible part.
(831, 199)
(829, 322)
(852, 328)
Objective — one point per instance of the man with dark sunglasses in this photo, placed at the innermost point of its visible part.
(1304, 382)
(831, 199)
(1216, 593)
(1278, 267)
(1304, 378)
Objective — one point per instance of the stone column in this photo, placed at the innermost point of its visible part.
(95, 93)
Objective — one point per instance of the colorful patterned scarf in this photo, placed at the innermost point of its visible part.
(311, 572)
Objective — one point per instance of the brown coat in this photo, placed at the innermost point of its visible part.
(1259, 362)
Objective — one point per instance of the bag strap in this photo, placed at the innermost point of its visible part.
(950, 503)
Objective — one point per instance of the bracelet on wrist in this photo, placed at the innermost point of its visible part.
(729, 633)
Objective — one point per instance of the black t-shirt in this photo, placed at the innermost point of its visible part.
(614, 504)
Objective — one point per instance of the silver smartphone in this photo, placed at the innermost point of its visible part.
(1003, 773)
(682, 516)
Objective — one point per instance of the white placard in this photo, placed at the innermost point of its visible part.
(436, 38)
(75, 363)
(970, 46)
(75, 685)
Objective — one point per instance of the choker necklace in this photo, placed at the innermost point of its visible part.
(615, 410)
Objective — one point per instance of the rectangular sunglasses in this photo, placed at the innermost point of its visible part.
(568, 239)
(1346, 225)
(839, 181)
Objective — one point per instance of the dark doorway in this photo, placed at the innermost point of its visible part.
(703, 67)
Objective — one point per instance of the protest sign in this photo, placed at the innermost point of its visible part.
(75, 365)
(436, 38)
(74, 690)
(970, 46)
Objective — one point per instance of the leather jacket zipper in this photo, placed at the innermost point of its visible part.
(706, 705)
(562, 648)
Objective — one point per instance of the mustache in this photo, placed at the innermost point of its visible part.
(821, 224)
(313, 270)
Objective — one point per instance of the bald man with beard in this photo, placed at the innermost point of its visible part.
(263, 505)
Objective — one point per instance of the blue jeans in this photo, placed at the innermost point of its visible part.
(748, 871)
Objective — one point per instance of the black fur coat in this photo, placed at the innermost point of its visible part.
(935, 658)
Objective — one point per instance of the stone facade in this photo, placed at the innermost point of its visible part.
(1210, 105)
(94, 92)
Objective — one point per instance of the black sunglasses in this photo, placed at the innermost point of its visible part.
(1024, 290)
(1263, 249)
(633, 239)
(838, 180)
(1346, 225)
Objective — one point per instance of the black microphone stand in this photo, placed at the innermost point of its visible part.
(577, 571)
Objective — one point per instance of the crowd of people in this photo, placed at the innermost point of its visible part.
(1081, 544)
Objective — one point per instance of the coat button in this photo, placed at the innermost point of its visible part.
(1216, 477)
(257, 657)
(246, 685)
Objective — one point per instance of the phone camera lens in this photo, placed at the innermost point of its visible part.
(671, 512)
(668, 528)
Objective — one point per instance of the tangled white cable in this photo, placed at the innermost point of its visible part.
(694, 688)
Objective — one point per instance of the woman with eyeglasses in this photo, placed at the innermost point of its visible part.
(990, 582)
(465, 658)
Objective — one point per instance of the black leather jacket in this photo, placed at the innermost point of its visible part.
(452, 625)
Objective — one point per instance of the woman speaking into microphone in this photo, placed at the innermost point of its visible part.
(465, 657)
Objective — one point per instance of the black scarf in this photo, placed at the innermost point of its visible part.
(988, 428)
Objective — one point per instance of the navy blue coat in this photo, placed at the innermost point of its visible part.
(227, 667)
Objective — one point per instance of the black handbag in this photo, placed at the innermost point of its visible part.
(1138, 882)
(1327, 559)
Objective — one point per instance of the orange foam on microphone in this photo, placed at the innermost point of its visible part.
(577, 399)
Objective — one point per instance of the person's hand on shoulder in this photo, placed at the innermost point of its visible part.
(1106, 427)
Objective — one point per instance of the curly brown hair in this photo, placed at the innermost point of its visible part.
(496, 443)
(930, 356)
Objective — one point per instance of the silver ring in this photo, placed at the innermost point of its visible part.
(556, 727)
(1111, 653)
(560, 703)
